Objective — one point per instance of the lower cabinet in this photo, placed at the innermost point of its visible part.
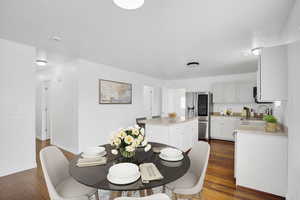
(181, 135)
(222, 128)
(261, 162)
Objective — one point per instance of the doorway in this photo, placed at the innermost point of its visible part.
(148, 101)
(43, 110)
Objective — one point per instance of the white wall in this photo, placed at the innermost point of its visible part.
(293, 122)
(291, 34)
(95, 121)
(64, 108)
(203, 84)
(291, 31)
(17, 107)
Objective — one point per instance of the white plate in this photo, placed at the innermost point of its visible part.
(171, 158)
(123, 170)
(94, 150)
(171, 152)
(84, 155)
(123, 181)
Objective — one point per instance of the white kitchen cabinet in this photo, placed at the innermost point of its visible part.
(272, 74)
(261, 161)
(233, 92)
(222, 128)
(245, 92)
(230, 92)
(215, 127)
(182, 135)
(218, 92)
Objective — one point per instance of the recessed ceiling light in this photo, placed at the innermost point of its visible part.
(56, 38)
(129, 4)
(256, 51)
(41, 57)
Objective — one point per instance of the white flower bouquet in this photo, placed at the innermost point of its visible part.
(127, 140)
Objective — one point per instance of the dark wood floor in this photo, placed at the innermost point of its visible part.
(219, 183)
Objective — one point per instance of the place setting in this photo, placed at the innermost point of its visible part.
(129, 163)
(133, 148)
(92, 156)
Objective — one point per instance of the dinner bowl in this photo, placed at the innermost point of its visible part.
(171, 152)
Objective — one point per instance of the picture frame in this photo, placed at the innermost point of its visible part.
(114, 92)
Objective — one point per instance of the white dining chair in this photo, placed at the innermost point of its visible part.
(192, 182)
(61, 186)
(159, 196)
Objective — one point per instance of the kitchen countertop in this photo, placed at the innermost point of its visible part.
(166, 121)
(248, 129)
(237, 116)
(226, 116)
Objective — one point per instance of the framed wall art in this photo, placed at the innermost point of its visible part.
(113, 92)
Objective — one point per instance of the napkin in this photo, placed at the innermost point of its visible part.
(87, 162)
(149, 172)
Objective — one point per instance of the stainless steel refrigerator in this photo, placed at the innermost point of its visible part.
(199, 104)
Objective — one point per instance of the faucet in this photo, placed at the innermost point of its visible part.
(263, 106)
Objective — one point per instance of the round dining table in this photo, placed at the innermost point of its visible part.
(96, 176)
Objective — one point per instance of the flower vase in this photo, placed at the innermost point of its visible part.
(127, 154)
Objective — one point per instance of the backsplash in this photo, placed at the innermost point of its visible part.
(279, 111)
(237, 108)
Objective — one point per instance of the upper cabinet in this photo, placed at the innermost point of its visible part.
(245, 92)
(218, 93)
(272, 74)
(233, 92)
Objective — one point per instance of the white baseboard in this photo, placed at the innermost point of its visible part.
(17, 169)
(40, 138)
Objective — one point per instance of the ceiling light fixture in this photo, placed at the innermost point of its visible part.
(193, 64)
(41, 58)
(256, 51)
(56, 38)
(129, 4)
(41, 62)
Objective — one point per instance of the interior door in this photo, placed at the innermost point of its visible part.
(45, 111)
(148, 101)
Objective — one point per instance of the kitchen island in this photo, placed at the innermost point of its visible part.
(179, 132)
(261, 158)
